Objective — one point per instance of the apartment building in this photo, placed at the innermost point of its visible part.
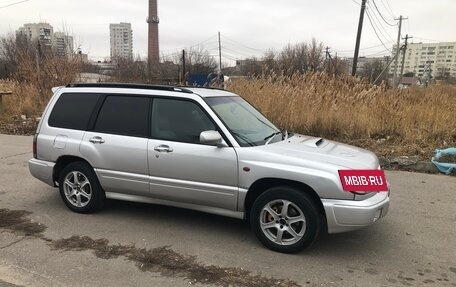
(121, 39)
(429, 59)
(36, 31)
(62, 44)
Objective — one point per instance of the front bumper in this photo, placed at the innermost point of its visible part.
(42, 170)
(346, 215)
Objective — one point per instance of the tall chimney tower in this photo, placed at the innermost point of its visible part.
(152, 20)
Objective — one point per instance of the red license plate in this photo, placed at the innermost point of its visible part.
(371, 180)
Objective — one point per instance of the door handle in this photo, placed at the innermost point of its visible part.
(163, 148)
(97, 140)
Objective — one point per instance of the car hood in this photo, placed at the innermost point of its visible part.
(314, 149)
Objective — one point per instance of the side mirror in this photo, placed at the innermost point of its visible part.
(212, 138)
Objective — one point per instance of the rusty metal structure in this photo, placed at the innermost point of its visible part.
(153, 45)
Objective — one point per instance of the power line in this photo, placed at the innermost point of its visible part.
(382, 53)
(388, 8)
(232, 55)
(239, 49)
(224, 48)
(12, 4)
(362, 49)
(234, 41)
(372, 25)
(379, 26)
(213, 38)
(379, 13)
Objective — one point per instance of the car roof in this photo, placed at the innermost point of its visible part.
(203, 92)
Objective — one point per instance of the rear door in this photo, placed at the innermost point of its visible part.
(181, 168)
(117, 144)
(62, 132)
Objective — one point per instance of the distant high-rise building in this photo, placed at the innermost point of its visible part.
(121, 38)
(429, 59)
(62, 44)
(153, 47)
(41, 32)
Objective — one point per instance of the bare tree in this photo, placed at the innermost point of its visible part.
(269, 61)
(315, 55)
(297, 58)
(198, 61)
(373, 69)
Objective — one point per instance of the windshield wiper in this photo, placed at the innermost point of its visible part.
(270, 137)
(244, 138)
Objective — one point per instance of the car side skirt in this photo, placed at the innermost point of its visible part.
(207, 209)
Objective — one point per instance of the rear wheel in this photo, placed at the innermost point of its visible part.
(80, 189)
(285, 219)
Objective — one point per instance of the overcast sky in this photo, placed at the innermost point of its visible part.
(248, 27)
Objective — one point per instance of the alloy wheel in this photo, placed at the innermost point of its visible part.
(282, 222)
(77, 189)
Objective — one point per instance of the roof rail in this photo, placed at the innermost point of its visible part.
(130, 86)
(202, 87)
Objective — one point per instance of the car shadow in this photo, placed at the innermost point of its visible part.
(360, 243)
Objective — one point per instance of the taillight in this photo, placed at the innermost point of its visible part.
(35, 137)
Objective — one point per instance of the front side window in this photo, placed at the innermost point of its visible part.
(180, 121)
(124, 115)
(73, 111)
(246, 124)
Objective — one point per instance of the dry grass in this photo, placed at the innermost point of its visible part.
(407, 122)
(34, 72)
(390, 122)
(25, 100)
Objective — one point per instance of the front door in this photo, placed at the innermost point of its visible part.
(183, 170)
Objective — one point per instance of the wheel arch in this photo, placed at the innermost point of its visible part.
(261, 185)
(64, 161)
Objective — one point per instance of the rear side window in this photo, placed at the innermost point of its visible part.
(73, 111)
(124, 115)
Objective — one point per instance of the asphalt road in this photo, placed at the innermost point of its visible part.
(415, 245)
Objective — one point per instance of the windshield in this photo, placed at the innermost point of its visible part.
(246, 124)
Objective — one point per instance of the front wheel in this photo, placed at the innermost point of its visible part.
(285, 219)
(80, 189)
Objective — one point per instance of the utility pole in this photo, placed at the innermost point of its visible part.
(358, 37)
(335, 66)
(403, 57)
(328, 55)
(326, 58)
(384, 70)
(397, 50)
(183, 66)
(220, 53)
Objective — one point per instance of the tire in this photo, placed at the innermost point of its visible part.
(80, 189)
(299, 224)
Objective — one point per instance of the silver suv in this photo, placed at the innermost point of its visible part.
(202, 149)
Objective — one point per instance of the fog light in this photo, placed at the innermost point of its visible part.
(378, 214)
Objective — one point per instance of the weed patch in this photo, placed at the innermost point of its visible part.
(170, 263)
